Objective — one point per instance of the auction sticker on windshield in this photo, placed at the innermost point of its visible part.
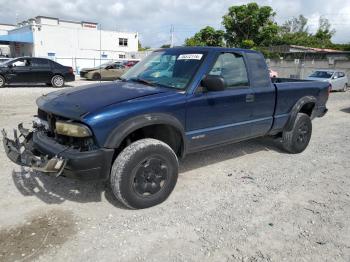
(190, 56)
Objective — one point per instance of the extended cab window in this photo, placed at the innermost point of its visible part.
(232, 68)
(259, 76)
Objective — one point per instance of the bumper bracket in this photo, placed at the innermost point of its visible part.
(22, 153)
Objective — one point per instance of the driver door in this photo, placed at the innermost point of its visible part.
(20, 71)
(216, 117)
(338, 82)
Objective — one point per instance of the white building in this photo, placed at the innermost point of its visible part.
(69, 42)
(5, 48)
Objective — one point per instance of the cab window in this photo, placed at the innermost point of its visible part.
(21, 63)
(232, 69)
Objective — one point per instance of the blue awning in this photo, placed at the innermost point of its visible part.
(24, 37)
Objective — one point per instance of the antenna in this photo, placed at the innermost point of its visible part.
(100, 52)
(172, 36)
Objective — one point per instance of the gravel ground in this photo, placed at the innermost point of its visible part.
(242, 202)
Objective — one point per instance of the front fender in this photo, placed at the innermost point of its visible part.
(90, 74)
(118, 134)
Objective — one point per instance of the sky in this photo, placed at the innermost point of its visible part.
(153, 19)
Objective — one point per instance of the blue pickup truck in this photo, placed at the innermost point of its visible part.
(176, 101)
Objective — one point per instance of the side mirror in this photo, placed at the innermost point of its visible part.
(213, 83)
(9, 65)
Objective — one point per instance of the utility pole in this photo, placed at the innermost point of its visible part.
(100, 51)
(171, 36)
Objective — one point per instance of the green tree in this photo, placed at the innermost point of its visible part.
(296, 33)
(250, 24)
(140, 48)
(165, 46)
(324, 32)
(207, 36)
(296, 25)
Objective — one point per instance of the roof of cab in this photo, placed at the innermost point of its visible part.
(208, 49)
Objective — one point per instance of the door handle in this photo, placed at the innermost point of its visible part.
(250, 98)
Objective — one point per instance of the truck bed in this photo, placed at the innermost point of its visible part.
(289, 91)
(283, 80)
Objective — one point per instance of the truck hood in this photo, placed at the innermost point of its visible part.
(73, 103)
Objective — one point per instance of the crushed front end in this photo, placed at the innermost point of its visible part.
(55, 148)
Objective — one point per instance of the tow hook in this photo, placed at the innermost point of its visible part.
(53, 165)
(22, 153)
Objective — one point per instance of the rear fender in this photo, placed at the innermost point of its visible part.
(296, 109)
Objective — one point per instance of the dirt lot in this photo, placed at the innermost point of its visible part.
(243, 202)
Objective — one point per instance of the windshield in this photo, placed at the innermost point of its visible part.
(168, 68)
(8, 61)
(104, 65)
(322, 74)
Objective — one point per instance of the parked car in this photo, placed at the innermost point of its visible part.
(131, 132)
(108, 71)
(273, 73)
(337, 79)
(35, 70)
(130, 63)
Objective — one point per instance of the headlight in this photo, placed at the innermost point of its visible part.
(72, 129)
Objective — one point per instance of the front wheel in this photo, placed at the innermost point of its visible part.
(96, 77)
(296, 140)
(57, 81)
(345, 87)
(144, 174)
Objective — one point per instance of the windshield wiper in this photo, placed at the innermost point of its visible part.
(120, 78)
(143, 81)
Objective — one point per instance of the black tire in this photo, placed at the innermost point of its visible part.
(2, 81)
(57, 81)
(144, 166)
(344, 88)
(296, 140)
(96, 76)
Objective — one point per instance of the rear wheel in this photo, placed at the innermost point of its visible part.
(57, 81)
(2, 81)
(144, 174)
(296, 140)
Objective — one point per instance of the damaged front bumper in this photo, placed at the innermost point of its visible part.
(20, 151)
(36, 150)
